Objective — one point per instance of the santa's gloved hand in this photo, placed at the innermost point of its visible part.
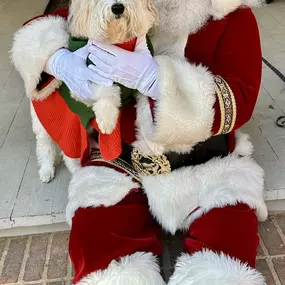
(135, 70)
(71, 68)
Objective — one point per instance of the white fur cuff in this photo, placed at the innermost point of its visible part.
(184, 112)
(137, 269)
(32, 46)
(94, 186)
(207, 267)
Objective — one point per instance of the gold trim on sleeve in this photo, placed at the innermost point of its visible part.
(227, 105)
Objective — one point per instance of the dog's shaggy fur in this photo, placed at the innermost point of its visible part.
(93, 19)
(180, 18)
(96, 21)
(46, 150)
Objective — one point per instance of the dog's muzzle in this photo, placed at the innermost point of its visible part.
(118, 9)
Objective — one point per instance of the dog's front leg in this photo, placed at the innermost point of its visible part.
(72, 164)
(45, 148)
(106, 107)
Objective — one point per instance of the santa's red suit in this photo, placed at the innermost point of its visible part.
(182, 164)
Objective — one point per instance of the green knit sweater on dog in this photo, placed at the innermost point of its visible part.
(83, 111)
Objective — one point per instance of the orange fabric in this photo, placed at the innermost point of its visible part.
(65, 127)
(61, 124)
(67, 131)
(111, 145)
(67, 137)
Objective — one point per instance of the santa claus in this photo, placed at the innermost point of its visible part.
(180, 165)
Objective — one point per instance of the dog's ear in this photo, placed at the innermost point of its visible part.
(78, 17)
(153, 11)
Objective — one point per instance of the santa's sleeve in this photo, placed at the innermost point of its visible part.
(197, 102)
(33, 44)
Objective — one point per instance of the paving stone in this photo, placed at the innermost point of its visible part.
(262, 266)
(271, 238)
(172, 245)
(279, 265)
(2, 246)
(37, 256)
(281, 223)
(260, 252)
(13, 261)
(59, 256)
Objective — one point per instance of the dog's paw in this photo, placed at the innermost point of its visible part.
(46, 174)
(72, 164)
(107, 125)
(106, 116)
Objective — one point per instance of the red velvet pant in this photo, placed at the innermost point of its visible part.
(100, 235)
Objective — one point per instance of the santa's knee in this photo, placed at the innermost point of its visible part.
(178, 198)
(113, 238)
(220, 247)
(218, 205)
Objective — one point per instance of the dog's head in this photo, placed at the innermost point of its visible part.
(112, 21)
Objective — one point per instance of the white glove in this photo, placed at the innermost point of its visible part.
(71, 68)
(135, 70)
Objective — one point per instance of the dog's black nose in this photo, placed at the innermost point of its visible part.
(118, 9)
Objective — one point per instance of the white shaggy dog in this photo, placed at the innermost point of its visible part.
(112, 22)
(108, 21)
(95, 20)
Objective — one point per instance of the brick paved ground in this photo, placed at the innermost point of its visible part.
(43, 259)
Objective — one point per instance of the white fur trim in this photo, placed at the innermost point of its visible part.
(144, 128)
(184, 112)
(137, 269)
(33, 45)
(217, 183)
(180, 18)
(207, 267)
(93, 186)
(46, 91)
(244, 146)
(221, 8)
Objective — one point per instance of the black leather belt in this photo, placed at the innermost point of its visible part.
(214, 147)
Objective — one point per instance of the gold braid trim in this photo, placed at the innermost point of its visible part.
(227, 105)
(141, 164)
(117, 163)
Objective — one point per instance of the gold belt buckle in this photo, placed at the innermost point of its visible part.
(150, 164)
